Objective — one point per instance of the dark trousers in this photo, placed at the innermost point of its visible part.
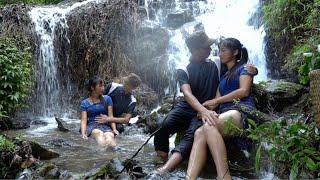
(179, 119)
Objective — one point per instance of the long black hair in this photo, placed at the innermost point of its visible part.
(91, 84)
(241, 58)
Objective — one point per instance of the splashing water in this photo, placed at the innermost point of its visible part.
(50, 22)
(223, 19)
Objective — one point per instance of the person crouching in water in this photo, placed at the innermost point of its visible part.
(95, 105)
(124, 102)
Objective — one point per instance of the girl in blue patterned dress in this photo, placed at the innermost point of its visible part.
(235, 84)
(96, 105)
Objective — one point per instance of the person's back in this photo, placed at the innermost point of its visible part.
(122, 102)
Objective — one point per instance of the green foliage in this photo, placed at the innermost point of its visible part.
(39, 2)
(15, 72)
(311, 62)
(295, 27)
(293, 147)
(6, 145)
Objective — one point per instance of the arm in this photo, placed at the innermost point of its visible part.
(252, 70)
(243, 91)
(113, 125)
(83, 124)
(189, 97)
(206, 115)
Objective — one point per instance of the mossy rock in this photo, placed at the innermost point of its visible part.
(40, 152)
(276, 95)
(111, 169)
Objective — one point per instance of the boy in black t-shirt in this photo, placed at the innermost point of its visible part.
(123, 101)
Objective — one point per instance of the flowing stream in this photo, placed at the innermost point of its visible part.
(217, 18)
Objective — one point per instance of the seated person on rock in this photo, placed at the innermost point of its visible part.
(198, 82)
(95, 105)
(235, 84)
(123, 101)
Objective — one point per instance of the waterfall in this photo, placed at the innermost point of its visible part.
(218, 19)
(50, 22)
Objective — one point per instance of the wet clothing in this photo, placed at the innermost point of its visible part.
(227, 86)
(203, 78)
(179, 119)
(122, 103)
(245, 106)
(94, 110)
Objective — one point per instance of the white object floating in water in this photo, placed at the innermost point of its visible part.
(318, 47)
(134, 120)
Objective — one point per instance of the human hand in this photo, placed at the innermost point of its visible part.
(116, 132)
(211, 104)
(251, 69)
(102, 119)
(84, 136)
(208, 116)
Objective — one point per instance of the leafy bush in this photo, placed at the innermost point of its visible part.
(6, 145)
(5, 2)
(295, 26)
(311, 62)
(15, 72)
(294, 147)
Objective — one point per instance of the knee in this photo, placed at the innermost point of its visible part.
(109, 135)
(199, 133)
(207, 128)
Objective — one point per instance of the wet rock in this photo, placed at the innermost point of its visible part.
(66, 175)
(49, 171)
(15, 21)
(179, 18)
(5, 124)
(20, 123)
(58, 142)
(156, 73)
(149, 122)
(152, 41)
(61, 127)
(146, 97)
(165, 108)
(111, 169)
(276, 95)
(39, 152)
(39, 122)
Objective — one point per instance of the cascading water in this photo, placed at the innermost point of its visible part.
(219, 19)
(50, 22)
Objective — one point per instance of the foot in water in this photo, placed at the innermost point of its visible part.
(157, 174)
(114, 148)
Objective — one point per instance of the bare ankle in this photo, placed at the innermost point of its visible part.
(162, 155)
(162, 170)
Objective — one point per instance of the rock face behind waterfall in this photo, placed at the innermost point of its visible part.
(15, 22)
(99, 36)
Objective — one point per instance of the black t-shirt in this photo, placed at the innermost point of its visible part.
(203, 78)
(122, 102)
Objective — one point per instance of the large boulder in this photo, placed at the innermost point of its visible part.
(275, 95)
(152, 41)
(179, 18)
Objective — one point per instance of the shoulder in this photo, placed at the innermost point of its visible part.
(133, 99)
(112, 87)
(243, 71)
(106, 97)
(85, 102)
(84, 105)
